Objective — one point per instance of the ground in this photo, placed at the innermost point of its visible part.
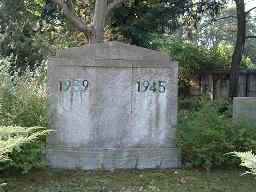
(174, 180)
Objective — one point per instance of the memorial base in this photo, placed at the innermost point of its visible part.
(85, 158)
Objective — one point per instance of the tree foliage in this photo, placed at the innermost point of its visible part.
(141, 22)
(193, 59)
(19, 33)
(32, 30)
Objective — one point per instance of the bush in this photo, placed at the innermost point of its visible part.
(205, 135)
(23, 99)
(20, 147)
(189, 104)
(23, 103)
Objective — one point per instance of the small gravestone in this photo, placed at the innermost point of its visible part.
(112, 105)
(244, 108)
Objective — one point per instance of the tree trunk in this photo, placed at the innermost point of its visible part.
(99, 20)
(239, 47)
(95, 31)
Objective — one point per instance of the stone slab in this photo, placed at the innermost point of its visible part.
(244, 108)
(112, 106)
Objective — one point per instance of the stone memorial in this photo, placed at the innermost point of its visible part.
(112, 105)
(244, 107)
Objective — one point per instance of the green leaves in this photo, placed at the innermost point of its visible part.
(19, 31)
(22, 104)
(248, 160)
(142, 24)
(205, 135)
(24, 99)
(12, 141)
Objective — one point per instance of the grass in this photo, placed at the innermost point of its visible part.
(171, 180)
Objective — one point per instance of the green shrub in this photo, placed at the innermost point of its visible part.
(207, 134)
(20, 147)
(23, 99)
(223, 106)
(189, 104)
(23, 103)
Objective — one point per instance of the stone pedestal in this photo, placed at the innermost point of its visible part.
(244, 108)
(112, 105)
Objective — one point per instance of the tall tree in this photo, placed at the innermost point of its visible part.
(239, 46)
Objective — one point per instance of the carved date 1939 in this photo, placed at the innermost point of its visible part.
(73, 85)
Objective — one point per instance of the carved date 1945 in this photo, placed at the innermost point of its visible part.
(154, 86)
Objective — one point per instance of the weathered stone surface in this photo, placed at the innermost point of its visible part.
(112, 106)
(244, 108)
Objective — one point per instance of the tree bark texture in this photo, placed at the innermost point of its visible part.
(239, 47)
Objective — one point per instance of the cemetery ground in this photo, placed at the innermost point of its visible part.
(148, 180)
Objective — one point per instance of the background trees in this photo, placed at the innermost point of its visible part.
(19, 31)
(238, 36)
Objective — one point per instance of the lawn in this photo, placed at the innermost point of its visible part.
(174, 180)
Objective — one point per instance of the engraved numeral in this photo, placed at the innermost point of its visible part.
(154, 86)
(73, 85)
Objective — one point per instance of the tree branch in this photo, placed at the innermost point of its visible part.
(250, 37)
(227, 17)
(247, 12)
(112, 6)
(67, 7)
(217, 20)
